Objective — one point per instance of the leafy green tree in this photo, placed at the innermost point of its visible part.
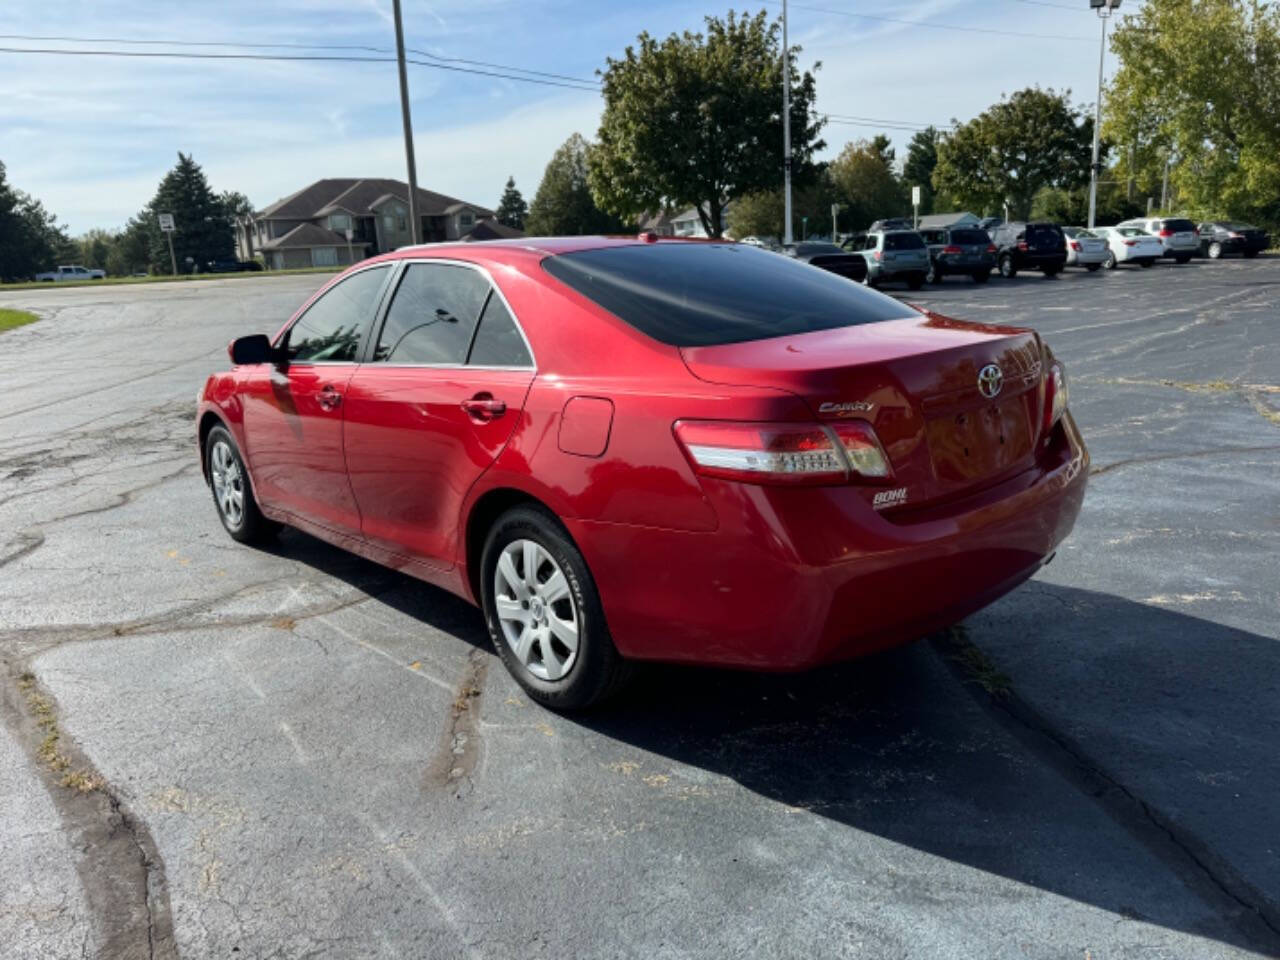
(94, 248)
(512, 209)
(131, 251)
(696, 121)
(759, 214)
(30, 238)
(917, 169)
(1030, 140)
(864, 183)
(563, 205)
(202, 223)
(1199, 82)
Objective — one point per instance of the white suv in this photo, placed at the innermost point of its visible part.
(1181, 242)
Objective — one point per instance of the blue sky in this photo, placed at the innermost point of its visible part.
(91, 136)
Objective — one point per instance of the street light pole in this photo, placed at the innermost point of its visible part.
(1104, 9)
(787, 236)
(415, 225)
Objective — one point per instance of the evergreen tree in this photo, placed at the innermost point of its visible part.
(202, 225)
(511, 208)
(563, 205)
(30, 238)
(917, 169)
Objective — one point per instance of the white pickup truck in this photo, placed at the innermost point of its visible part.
(74, 272)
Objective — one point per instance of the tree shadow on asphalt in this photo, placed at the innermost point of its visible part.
(904, 745)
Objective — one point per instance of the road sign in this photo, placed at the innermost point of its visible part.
(166, 222)
(915, 196)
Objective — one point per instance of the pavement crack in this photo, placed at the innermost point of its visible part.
(1179, 455)
(460, 745)
(1177, 847)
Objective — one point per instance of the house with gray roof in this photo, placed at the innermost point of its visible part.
(939, 221)
(309, 228)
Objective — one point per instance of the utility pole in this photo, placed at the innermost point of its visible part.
(835, 228)
(1164, 189)
(1104, 9)
(415, 225)
(787, 236)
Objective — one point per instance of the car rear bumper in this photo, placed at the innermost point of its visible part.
(796, 577)
(979, 264)
(1079, 258)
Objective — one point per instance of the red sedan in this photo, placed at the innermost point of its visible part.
(636, 449)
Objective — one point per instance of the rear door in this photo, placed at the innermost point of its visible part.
(293, 412)
(440, 395)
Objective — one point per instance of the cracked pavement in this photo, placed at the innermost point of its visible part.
(308, 755)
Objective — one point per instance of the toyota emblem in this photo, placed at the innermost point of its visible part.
(990, 380)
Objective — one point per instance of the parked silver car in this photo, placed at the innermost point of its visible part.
(1085, 249)
(1179, 236)
(892, 255)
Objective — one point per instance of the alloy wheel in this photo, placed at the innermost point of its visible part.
(228, 483)
(536, 609)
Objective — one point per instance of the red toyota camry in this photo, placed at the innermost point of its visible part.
(637, 449)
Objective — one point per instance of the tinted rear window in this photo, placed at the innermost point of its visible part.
(903, 241)
(1179, 226)
(970, 236)
(813, 249)
(695, 295)
(1043, 232)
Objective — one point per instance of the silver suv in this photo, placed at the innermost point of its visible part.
(1181, 242)
(892, 255)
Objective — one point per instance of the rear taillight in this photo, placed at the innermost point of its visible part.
(991, 248)
(1234, 236)
(1166, 232)
(783, 453)
(1131, 243)
(876, 255)
(1056, 395)
(1022, 245)
(952, 250)
(1075, 245)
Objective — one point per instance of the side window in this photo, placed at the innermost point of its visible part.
(498, 342)
(872, 241)
(432, 314)
(332, 326)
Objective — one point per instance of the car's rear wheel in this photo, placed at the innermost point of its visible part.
(1215, 251)
(232, 493)
(1052, 271)
(1250, 254)
(915, 281)
(1091, 267)
(1007, 269)
(1183, 258)
(934, 275)
(1111, 260)
(544, 612)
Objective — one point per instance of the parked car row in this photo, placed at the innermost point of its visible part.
(892, 251)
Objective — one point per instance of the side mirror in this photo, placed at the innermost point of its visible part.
(253, 349)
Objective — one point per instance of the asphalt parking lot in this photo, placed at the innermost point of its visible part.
(293, 752)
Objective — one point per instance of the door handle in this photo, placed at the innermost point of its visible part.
(484, 407)
(329, 396)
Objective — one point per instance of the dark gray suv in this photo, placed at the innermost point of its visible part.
(966, 250)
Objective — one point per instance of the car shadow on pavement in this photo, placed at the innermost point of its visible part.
(910, 746)
(1165, 713)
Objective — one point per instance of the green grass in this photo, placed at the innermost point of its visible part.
(113, 281)
(15, 318)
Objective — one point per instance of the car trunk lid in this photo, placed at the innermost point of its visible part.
(917, 382)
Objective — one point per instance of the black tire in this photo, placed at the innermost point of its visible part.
(1051, 271)
(982, 276)
(1093, 267)
(1007, 269)
(597, 670)
(934, 275)
(1146, 264)
(1250, 254)
(915, 281)
(1215, 250)
(1111, 262)
(1182, 258)
(251, 526)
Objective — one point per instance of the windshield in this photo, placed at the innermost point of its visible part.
(1179, 226)
(970, 236)
(1131, 232)
(693, 295)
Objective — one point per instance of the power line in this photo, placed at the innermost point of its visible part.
(185, 55)
(934, 26)
(906, 123)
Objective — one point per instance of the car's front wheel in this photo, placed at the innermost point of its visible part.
(1091, 267)
(232, 493)
(544, 613)
(1111, 260)
(1007, 269)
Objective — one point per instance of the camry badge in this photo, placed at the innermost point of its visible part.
(990, 380)
(845, 409)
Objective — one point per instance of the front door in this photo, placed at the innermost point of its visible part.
(439, 398)
(293, 412)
